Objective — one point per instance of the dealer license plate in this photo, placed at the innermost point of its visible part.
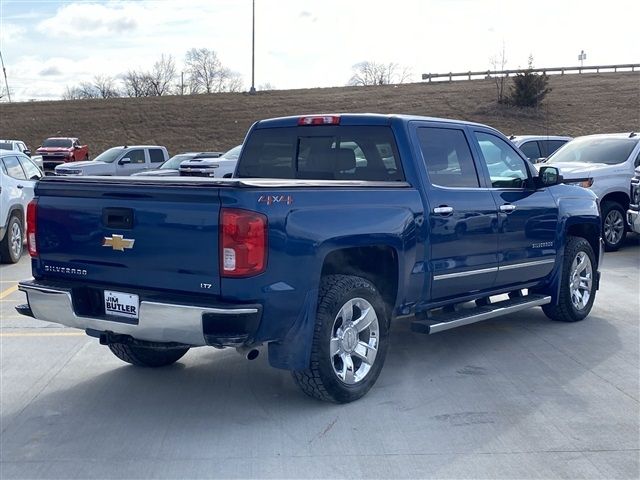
(121, 304)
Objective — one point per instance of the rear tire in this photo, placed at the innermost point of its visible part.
(613, 225)
(578, 283)
(350, 340)
(147, 356)
(12, 244)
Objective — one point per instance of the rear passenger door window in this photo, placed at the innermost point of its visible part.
(156, 155)
(447, 157)
(531, 150)
(550, 146)
(506, 168)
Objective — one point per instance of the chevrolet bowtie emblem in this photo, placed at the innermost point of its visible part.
(118, 242)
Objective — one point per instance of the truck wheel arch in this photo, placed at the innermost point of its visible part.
(617, 196)
(376, 263)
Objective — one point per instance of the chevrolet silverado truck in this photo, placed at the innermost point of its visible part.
(58, 150)
(332, 227)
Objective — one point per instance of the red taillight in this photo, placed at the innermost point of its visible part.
(243, 243)
(32, 227)
(320, 120)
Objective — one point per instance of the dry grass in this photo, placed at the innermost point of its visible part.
(577, 105)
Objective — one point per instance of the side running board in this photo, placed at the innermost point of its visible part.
(446, 321)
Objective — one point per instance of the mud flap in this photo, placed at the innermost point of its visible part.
(293, 352)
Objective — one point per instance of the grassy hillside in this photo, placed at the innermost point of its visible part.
(577, 105)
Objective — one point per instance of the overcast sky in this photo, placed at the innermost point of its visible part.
(48, 45)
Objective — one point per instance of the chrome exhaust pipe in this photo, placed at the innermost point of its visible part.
(250, 353)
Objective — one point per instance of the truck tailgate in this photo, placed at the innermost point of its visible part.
(156, 236)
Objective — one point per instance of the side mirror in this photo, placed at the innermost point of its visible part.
(124, 161)
(27, 152)
(549, 176)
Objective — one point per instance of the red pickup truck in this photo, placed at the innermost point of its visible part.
(58, 150)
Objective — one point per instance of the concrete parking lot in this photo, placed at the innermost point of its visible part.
(516, 397)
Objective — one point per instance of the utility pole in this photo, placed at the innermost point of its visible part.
(252, 91)
(181, 83)
(4, 71)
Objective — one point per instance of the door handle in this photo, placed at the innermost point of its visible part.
(20, 187)
(443, 210)
(507, 208)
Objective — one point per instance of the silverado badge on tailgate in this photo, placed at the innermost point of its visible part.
(118, 242)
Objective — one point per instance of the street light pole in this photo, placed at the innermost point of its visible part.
(252, 91)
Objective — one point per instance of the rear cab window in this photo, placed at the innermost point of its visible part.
(322, 153)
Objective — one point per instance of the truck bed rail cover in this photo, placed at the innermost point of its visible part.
(222, 182)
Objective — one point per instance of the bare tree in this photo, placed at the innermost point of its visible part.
(373, 73)
(136, 84)
(105, 87)
(72, 93)
(266, 86)
(498, 63)
(162, 75)
(206, 74)
(4, 93)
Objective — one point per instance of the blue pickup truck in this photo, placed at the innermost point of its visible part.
(334, 226)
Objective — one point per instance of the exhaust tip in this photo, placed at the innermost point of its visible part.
(253, 354)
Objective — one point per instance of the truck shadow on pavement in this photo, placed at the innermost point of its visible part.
(517, 383)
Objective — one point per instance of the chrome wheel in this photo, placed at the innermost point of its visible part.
(16, 240)
(354, 341)
(613, 227)
(581, 280)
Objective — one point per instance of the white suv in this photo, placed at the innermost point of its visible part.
(603, 163)
(18, 176)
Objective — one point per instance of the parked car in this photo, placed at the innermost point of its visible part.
(58, 150)
(15, 146)
(221, 167)
(538, 147)
(171, 168)
(633, 214)
(18, 175)
(604, 164)
(123, 160)
(312, 254)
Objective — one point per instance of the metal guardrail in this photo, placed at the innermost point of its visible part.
(562, 70)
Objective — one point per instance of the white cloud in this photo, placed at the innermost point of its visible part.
(11, 34)
(81, 19)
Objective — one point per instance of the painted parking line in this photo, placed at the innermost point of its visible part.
(41, 334)
(8, 291)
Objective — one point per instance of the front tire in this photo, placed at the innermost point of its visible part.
(578, 283)
(147, 356)
(613, 225)
(350, 340)
(12, 244)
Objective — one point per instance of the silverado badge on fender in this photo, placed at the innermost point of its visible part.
(118, 242)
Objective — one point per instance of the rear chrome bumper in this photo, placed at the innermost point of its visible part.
(158, 322)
